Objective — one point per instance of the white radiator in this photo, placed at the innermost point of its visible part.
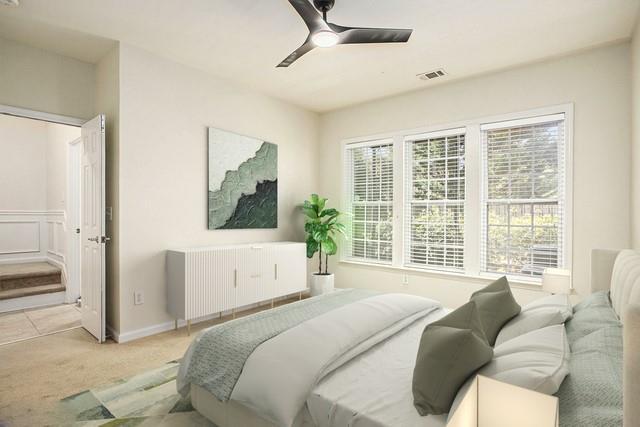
(205, 281)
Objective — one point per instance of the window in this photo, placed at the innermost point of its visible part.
(370, 187)
(523, 197)
(484, 197)
(434, 223)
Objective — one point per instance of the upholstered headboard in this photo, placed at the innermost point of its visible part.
(619, 271)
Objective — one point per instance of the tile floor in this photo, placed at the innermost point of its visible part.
(35, 322)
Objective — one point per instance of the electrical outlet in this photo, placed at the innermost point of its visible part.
(405, 279)
(138, 298)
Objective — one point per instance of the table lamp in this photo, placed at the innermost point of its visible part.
(556, 281)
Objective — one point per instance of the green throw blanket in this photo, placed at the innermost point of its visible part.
(591, 395)
(215, 359)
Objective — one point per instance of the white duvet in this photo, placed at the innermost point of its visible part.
(278, 378)
(374, 388)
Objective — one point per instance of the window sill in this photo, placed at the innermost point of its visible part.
(515, 282)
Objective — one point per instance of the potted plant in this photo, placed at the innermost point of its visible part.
(322, 227)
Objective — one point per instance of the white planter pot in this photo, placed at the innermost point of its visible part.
(321, 284)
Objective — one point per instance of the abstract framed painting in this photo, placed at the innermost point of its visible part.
(243, 182)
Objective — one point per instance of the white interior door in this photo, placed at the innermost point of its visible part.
(92, 227)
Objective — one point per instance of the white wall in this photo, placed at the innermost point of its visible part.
(33, 164)
(597, 82)
(57, 153)
(44, 81)
(635, 124)
(33, 188)
(23, 165)
(165, 109)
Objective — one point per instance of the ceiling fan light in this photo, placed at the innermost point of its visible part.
(325, 38)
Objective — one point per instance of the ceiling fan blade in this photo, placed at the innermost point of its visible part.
(309, 15)
(371, 35)
(306, 47)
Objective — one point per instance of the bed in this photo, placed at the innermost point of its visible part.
(358, 372)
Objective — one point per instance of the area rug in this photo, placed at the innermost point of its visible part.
(147, 399)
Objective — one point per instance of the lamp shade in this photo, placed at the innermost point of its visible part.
(556, 281)
(491, 403)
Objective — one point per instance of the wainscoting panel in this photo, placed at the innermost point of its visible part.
(57, 238)
(19, 237)
(32, 236)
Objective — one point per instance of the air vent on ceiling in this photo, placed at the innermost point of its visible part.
(430, 75)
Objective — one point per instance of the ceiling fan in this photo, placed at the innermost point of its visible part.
(326, 34)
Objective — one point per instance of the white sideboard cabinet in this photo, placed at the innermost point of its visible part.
(208, 280)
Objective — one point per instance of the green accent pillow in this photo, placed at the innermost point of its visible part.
(496, 306)
(451, 349)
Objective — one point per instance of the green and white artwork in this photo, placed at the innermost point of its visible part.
(243, 181)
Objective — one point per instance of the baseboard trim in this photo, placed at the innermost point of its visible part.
(159, 328)
(24, 260)
(32, 301)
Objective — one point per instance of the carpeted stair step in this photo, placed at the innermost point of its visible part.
(28, 275)
(32, 290)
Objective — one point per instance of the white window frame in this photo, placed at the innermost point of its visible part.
(407, 187)
(474, 182)
(346, 199)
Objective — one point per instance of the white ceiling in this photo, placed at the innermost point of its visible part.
(243, 40)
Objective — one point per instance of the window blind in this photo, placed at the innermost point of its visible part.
(523, 207)
(370, 200)
(435, 200)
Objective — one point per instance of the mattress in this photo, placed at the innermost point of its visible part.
(374, 388)
(234, 414)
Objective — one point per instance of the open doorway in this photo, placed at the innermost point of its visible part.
(49, 166)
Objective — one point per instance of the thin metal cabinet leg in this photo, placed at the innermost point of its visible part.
(300, 296)
(272, 302)
(188, 327)
(220, 315)
(175, 325)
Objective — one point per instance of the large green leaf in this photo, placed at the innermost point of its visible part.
(309, 227)
(340, 228)
(312, 247)
(329, 212)
(309, 210)
(329, 246)
(320, 235)
(318, 201)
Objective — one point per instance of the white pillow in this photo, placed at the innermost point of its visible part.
(543, 312)
(559, 301)
(538, 360)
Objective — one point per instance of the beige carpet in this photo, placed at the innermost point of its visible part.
(35, 374)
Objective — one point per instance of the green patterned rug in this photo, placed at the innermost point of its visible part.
(147, 399)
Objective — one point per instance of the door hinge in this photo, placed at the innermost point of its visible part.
(104, 239)
(102, 124)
